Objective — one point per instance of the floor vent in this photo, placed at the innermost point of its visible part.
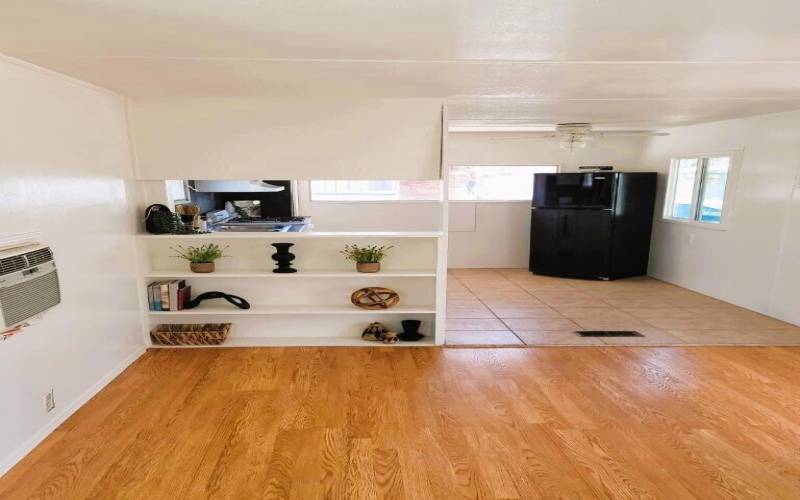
(608, 333)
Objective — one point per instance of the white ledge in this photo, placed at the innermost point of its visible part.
(296, 236)
(268, 274)
(427, 341)
(226, 310)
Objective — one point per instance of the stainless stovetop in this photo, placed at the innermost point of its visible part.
(263, 224)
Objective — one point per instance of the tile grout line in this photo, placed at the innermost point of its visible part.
(492, 311)
(532, 295)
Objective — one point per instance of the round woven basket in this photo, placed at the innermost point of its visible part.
(375, 297)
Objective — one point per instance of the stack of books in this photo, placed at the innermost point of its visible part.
(170, 295)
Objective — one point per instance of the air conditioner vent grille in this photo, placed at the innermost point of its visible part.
(29, 298)
(12, 264)
(39, 257)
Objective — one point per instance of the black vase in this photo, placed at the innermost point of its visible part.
(411, 330)
(283, 258)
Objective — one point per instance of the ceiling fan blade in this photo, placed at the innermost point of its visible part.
(498, 127)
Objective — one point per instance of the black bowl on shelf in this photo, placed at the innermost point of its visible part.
(411, 330)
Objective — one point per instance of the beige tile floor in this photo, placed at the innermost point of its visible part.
(515, 307)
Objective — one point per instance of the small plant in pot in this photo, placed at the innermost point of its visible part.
(201, 259)
(368, 259)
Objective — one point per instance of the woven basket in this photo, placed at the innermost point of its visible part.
(375, 297)
(191, 334)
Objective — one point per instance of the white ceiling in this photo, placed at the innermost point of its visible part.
(644, 63)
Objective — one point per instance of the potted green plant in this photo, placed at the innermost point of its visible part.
(368, 259)
(201, 259)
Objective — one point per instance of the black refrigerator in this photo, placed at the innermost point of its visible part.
(592, 225)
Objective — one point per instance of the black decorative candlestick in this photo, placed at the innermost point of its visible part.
(283, 258)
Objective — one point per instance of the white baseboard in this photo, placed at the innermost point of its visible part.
(11, 460)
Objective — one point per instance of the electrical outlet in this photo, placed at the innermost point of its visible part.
(50, 401)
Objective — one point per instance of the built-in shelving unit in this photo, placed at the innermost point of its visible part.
(311, 307)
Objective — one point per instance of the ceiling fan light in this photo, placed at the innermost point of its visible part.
(572, 143)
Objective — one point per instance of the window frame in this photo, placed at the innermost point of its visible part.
(187, 197)
(734, 163)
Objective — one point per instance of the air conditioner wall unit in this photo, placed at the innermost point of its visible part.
(29, 284)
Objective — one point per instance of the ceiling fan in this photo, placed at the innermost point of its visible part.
(573, 135)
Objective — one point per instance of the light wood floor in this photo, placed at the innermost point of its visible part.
(515, 307)
(438, 423)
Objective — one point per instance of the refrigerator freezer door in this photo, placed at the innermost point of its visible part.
(591, 191)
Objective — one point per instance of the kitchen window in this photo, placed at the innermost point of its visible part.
(379, 190)
(495, 182)
(467, 183)
(698, 188)
(177, 192)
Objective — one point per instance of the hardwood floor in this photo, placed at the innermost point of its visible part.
(593, 422)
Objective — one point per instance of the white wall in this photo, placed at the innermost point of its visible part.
(755, 262)
(230, 138)
(66, 169)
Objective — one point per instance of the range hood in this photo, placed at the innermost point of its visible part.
(255, 186)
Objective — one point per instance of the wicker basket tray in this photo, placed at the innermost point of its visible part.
(191, 334)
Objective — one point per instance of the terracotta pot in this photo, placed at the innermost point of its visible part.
(368, 267)
(201, 267)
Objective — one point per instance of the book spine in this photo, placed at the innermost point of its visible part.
(173, 295)
(156, 297)
(150, 304)
(165, 297)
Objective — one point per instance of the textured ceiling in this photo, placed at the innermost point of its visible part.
(612, 61)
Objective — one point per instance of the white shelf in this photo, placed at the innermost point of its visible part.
(292, 310)
(303, 342)
(408, 273)
(296, 236)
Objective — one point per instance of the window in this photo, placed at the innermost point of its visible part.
(467, 183)
(495, 182)
(697, 187)
(376, 190)
(176, 191)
